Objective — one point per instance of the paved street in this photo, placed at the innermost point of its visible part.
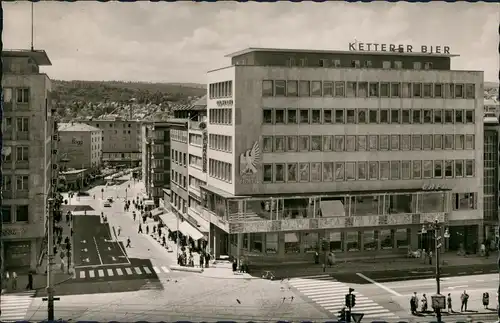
(101, 256)
(192, 298)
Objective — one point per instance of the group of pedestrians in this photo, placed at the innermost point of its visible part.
(464, 300)
(10, 280)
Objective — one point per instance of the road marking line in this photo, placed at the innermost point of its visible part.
(138, 270)
(129, 271)
(110, 272)
(387, 289)
(82, 274)
(97, 249)
(156, 270)
(100, 272)
(103, 265)
(91, 274)
(147, 270)
(165, 269)
(119, 271)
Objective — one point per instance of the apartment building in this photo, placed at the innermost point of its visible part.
(121, 140)
(80, 146)
(27, 128)
(358, 149)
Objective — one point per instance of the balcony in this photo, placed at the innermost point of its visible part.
(197, 125)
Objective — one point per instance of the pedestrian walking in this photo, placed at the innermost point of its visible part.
(14, 281)
(140, 228)
(486, 300)
(414, 303)
(119, 230)
(29, 286)
(201, 260)
(448, 301)
(464, 298)
(154, 229)
(128, 243)
(147, 229)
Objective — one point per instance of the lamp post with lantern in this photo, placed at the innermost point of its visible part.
(438, 300)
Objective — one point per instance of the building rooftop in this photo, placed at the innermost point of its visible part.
(39, 56)
(198, 105)
(76, 127)
(326, 51)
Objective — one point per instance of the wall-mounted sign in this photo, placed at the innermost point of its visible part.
(76, 141)
(249, 162)
(225, 103)
(375, 47)
(433, 187)
(204, 151)
(13, 232)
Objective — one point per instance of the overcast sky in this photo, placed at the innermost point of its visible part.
(179, 42)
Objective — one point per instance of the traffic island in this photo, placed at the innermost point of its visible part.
(187, 269)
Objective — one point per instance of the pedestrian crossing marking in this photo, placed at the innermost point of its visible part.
(15, 306)
(119, 271)
(147, 270)
(156, 270)
(138, 270)
(82, 274)
(100, 272)
(91, 274)
(110, 272)
(165, 269)
(330, 294)
(128, 271)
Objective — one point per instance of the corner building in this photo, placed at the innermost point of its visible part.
(358, 148)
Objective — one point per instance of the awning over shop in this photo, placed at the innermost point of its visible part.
(188, 230)
(157, 211)
(170, 220)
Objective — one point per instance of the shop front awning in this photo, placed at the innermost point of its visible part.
(170, 220)
(157, 211)
(188, 230)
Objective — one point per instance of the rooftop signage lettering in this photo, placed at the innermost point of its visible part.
(375, 47)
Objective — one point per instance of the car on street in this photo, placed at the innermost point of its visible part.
(81, 193)
(106, 204)
(109, 199)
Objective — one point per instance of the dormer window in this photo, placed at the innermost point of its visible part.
(290, 62)
(303, 62)
(398, 64)
(336, 62)
(323, 63)
(368, 64)
(417, 65)
(355, 64)
(428, 66)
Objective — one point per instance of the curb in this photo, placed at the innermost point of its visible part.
(228, 277)
(187, 269)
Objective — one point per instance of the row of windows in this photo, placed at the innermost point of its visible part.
(179, 135)
(221, 142)
(19, 95)
(371, 170)
(221, 90)
(179, 158)
(178, 179)
(365, 116)
(366, 142)
(21, 181)
(348, 89)
(15, 213)
(220, 116)
(195, 139)
(196, 183)
(22, 124)
(195, 161)
(355, 63)
(21, 154)
(220, 170)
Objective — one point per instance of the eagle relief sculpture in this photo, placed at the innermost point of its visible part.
(249, 160)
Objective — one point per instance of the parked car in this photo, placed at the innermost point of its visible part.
(109, 199)
(81, 193)
(106, 204)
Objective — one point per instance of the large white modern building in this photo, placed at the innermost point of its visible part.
(358, 148)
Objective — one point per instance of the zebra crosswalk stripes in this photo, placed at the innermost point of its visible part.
(14, 306)
(330, 294)
(120, 272)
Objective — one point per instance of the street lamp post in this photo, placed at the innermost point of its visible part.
(438, 300)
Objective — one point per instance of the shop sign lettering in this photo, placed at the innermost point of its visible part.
(7, 232)
(77, 142)
(375, 47)
(433, 187)
(204, 151)
(225, 103)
